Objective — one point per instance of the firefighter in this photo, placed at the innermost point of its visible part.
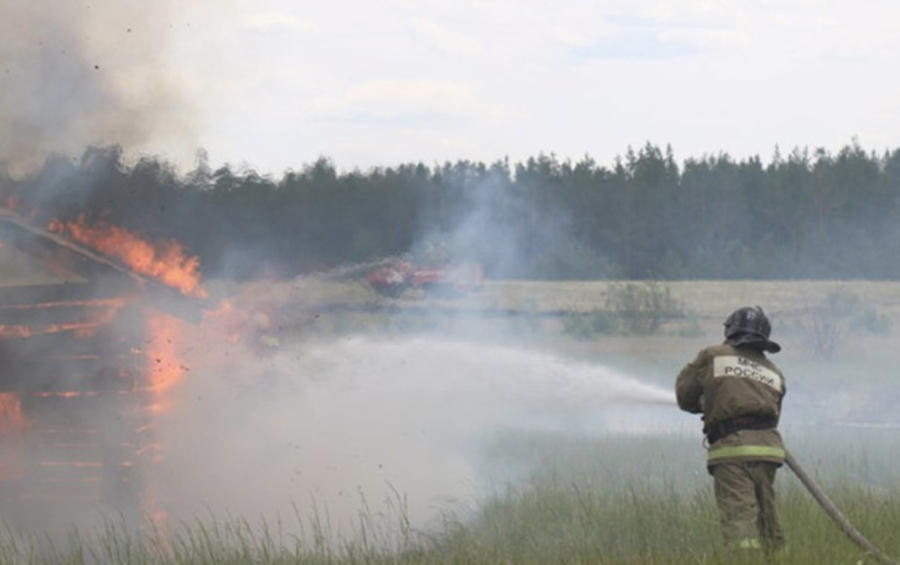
(739, 391)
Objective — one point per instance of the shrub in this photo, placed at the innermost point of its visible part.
(873, 322)
(630, 309)
(840, 313)
(641, 308)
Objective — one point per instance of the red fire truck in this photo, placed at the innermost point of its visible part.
(399, 275)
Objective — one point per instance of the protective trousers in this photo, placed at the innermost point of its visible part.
(745, 495)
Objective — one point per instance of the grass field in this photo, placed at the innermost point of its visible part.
(577, 497)
(591, 500)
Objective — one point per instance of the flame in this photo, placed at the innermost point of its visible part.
(165, 371)
(166, 262)
(104, 311)
(12, 424)
(22, 331)
(165, 367)
(68, 394)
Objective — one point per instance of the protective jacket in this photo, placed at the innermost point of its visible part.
(739, 392)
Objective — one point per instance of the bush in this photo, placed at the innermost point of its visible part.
(630, 309)
(840, 313)
(873, 322)
(641, 308)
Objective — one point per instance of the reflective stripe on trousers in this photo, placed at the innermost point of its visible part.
(744, 451)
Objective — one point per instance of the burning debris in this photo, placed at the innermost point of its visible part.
(89, 356)
(96, 379)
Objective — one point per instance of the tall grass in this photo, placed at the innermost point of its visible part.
(641, 500)
(555, 499)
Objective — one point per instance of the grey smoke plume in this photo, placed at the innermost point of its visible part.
(74, 74)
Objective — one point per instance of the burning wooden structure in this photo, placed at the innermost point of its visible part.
(77, 390)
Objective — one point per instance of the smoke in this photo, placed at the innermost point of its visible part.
(78, 74)
(515, 232)
(327, 429)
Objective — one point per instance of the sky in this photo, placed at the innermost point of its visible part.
(273, 85)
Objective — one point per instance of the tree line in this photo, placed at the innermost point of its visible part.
(804, 215)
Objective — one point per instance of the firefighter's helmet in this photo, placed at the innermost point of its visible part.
(750, 326)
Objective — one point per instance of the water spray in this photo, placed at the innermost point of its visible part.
(325, 420)
(835, 514)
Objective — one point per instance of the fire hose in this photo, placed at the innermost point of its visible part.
(835, 514)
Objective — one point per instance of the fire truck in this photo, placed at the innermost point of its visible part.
(395, 277)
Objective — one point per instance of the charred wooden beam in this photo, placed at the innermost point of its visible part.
(67, 343)
(54, 313)
(114, 289)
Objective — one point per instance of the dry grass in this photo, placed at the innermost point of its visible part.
(706, 301)
(780, 298)
(703, 298)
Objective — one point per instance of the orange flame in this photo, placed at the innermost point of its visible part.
(165, 371)
(104, 311)
(12, 424)
(166, 262)
(68, 394)
(165, 367)
(81, 329)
